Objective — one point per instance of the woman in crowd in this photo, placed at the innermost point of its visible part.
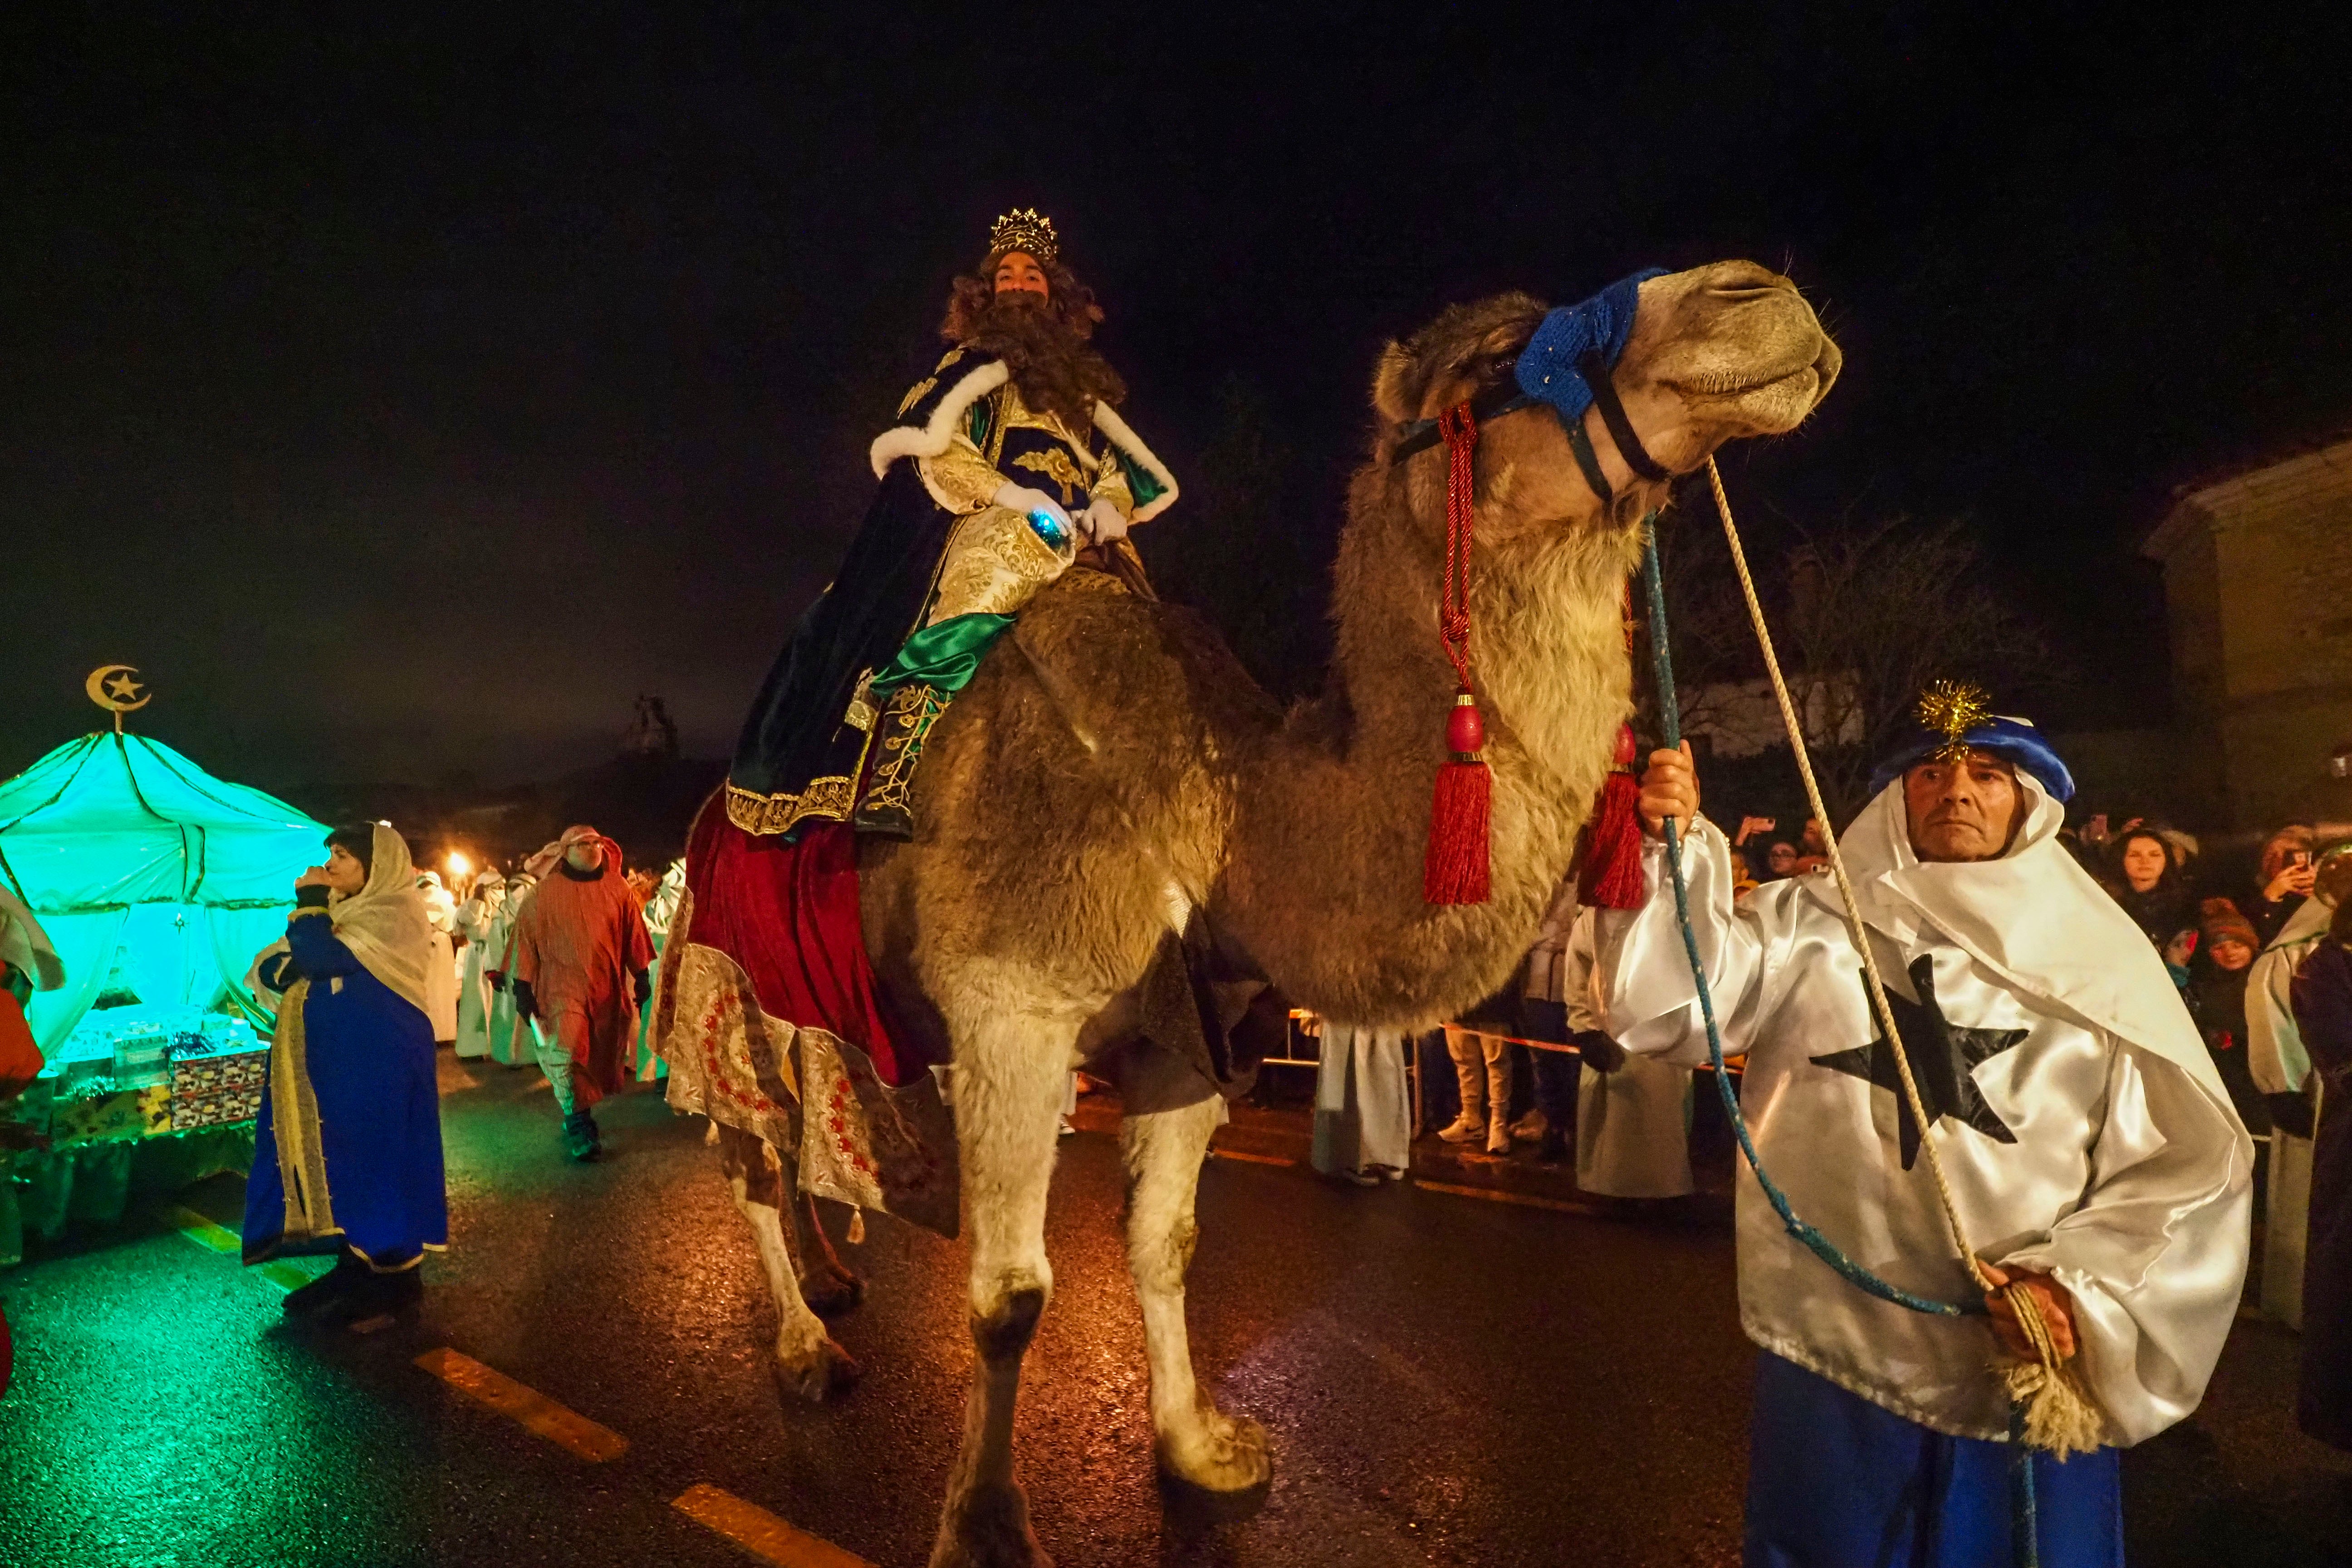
(2220, 982)
(347, 1156)
(2150, 886)
(2321, 994)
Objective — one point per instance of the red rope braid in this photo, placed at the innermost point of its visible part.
(1460, 429)
(1455, 867)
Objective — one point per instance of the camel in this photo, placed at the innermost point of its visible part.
(1111, 770)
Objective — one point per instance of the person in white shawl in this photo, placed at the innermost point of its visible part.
(2281, 1070)
(347, 1151)
(2091, 1150)
(473, 920)
(441, 973)
(1633, 1113)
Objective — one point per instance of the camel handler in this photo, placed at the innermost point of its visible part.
(578, 964)
(2090, 1147)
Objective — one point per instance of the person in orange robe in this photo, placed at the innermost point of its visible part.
(577, 962)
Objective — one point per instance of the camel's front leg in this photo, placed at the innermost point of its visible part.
(827, 1284)
(808, 1362)
(1195, 1441)
(1010, 1074)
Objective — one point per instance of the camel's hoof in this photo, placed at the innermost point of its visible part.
(830, 1292)
(988, 1527)
(821, 1373)
(1222, 1454)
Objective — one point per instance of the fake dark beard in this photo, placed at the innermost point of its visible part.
(1055, 371)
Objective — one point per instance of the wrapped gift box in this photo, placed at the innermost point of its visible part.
(209, 1074)
(215, 1107)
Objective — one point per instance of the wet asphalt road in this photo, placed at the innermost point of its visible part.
(1446, 1381)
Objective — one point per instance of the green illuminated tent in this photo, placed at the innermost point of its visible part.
(148, 874)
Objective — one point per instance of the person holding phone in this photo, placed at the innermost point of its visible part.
(2284, 881)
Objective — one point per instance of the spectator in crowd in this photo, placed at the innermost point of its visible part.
(2228, 948)
(2283, 881)
(2149, 885)
(1779, 861)
(2322, 995)
(1482, 1066)
(2281, 1068)
(1364, 1109)
(1544, 1017)
(347, 1152)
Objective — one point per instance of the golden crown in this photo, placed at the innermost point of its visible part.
(1951, 708)
(1025, 229)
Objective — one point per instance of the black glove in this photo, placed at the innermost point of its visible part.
(526, 1005)
(1600, 1053)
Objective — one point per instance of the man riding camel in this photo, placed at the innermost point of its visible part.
(2089, 1144)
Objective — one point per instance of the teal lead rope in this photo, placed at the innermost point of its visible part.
(2022, 1521)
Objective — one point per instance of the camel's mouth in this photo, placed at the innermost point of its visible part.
(1732, 384)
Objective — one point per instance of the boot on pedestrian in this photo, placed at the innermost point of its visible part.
(1470, 1074)
(310, 1301)
(376, 1295)
(1499, 1134)
(582, 1141)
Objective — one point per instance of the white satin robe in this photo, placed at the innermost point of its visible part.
(1632, 1126)
(2129, 1180)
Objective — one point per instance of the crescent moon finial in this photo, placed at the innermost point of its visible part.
(117, 688)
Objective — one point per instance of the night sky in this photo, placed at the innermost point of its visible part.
(404, 395)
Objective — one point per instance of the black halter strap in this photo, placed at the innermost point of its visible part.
(1505, 398)
(1613, 414)
(1421, 435)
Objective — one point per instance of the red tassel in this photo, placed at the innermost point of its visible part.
(1455, 870)
(1611, 877)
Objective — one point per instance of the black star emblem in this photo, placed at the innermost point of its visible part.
(1943, 1058)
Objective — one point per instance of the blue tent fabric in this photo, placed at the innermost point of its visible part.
(148, 871)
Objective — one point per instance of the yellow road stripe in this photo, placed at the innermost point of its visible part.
(760, 1533)
(220, 1240)
(1253, 1159)
(531, 1408)
(1497, 1195)
(204, 1232)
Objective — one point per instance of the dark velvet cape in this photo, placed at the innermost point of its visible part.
(796, 734)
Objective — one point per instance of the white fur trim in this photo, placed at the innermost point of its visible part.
(1107, 420)
(932, 439)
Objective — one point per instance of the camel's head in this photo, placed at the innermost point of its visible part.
(1714, 353)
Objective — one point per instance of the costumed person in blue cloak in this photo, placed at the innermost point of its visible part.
(2092, 1152)
(347, 1156)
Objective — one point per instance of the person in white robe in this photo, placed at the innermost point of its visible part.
(441, 966)
(1363, 1110)
(514, 1041)
(2091, 1149)
(2281, 1070)
(1633, 1113)
(476, 1001)
(660, 912)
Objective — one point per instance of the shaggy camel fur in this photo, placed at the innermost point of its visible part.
(1112, 768)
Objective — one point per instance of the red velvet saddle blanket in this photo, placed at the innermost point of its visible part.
(773, 1021)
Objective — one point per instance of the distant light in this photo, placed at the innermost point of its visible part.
(458, 865)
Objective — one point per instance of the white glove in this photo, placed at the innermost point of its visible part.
(1045, 513)
(1103, 522)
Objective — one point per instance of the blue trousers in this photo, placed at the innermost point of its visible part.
(1834, 1481)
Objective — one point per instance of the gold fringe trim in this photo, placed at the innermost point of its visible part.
(294, 1114)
